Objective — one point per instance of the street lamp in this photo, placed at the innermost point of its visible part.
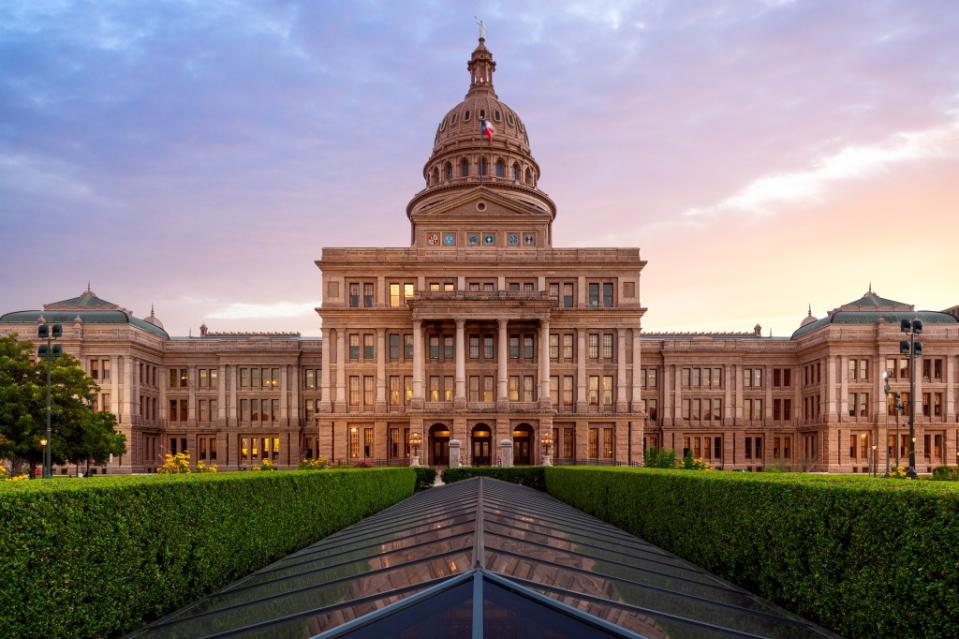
(415, 440)
(897, 408)
(49, 352)
(913, 349)
(547, 442)
(874, 460)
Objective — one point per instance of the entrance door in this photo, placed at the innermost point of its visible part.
(482, 444)
(439, 445)
(523, 445)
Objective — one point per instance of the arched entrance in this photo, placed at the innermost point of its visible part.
(439, 445)
(523, 445)
(481, 445)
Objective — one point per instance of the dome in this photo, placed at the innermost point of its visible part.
(809, 319)
(153, 319)
(481, 142)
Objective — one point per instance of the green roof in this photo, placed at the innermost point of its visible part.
(87, 317)
(871, 317)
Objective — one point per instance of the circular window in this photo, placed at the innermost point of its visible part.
(481, 206)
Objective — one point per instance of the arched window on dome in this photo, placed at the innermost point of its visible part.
(500, 169)
(482, 166)
(436, 175)
(464, 167)
(466, 117)
(529, 177)
(515, 172)
(448, 171)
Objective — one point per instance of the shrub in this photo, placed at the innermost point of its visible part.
(361, 463)
(101, 556)
(944, 473)
(531, 476)
(425, 477)
(203, 467)
(265, 464)
(660, 458)
(318, 463)
(866, 557)
(175, 464)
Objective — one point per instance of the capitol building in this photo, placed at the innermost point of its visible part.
(483, 334)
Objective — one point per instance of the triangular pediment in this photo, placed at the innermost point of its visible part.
(483, 202)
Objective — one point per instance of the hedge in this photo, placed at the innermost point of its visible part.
(946, 473)
(531, 476)
(425, 477)
(864, 557)
(101, 556)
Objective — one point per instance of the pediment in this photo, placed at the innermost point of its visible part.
(483, 202)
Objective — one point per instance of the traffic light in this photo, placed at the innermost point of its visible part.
(905, 326)
(57, 350)
(43, 331)
(917, 349)
(916, 326)
(904, 347)
(58, 331)
(42, 351)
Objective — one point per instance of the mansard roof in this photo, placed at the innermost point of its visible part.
(870, 309)
(87, 309)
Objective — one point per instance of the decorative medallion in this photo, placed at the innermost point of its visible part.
(473, 239)
(489, 239)
(449, 239)
(481, 206)
(512, 239)
(433, 239)
(529, 239)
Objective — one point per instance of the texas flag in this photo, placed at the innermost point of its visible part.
(486, 129)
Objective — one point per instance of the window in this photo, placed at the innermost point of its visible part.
(474, 346)
(594, 442)
(858, 403)
(500, 169)
(487, 388)
(434, 347)
(434, 388)
(568, 386)
(407, 346)
(593, 345)
(488, 347)
(395, 297)
(369, 351)
(474, 388)
(515, 172)
(528, 349)
(354, 295)
(354, 390)
(593, 289)
(593, 390)
(514, 346)
(354, 346)
(464, 168)
(529, 394)
(369, 390)
(449, 347)
(568, 295)
(448, 387)
(607, 346)
(651, 409)
(513, 388)
(554, 346)
(448, 171)
(608, 443)
(394, 396)
(608, 294)
(95, 369)
(368, 294)
(567, 346)
(394, 340)
(367, 442)
(482, 166)
(607, 390)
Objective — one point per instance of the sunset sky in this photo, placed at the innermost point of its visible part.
(197, 156)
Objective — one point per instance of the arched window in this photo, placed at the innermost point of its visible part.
(466, 117)
(436, 175)
(529, 176)
(464, 167)
(482, 166)
(500, 169)
(515, 172)
(449, 171)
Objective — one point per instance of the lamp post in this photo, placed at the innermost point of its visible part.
(913, 349)
(547, 442)
(874, 460)
(415, 440)
(49, 352)
(897, 408)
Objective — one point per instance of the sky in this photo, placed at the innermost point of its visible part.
(764, 155)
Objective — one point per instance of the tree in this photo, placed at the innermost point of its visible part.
(79, 434)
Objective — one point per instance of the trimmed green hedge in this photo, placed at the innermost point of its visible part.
(531, 476)
(946, 473)
(865, 557)
(100, 556)
(425, 476)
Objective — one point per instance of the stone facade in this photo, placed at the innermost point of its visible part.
(481, 332)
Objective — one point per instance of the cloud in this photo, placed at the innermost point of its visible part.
(272, 310)
(761, 196)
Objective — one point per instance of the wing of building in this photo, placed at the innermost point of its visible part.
(481, 343)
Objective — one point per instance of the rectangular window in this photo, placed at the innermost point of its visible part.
(554, 346)
(567, 346)
(554, 292)
(568, 296)
(696, 379)
(528, 349)
(608, 294)
(95, 369)
(354, 346)
(368, 295)
(608, 443)
(310, 378)
(434, 347)
(369, 390)
(474, 388)
(514, 346)
(651, 409)
(256, 378)
(434, 388)
(448, 387)
(528, 394)
(593, 339)
(394, 340)
(593, 289)
(487, 388)
(488, 347)
(594, 443)
(184, 378)
(354, 442)
(254, 410)
(514, 388)
(367, 442)
(203, 408)
(395, 391)
(449, 347)
(354, 295)
(174, 378)
(607, 390)
(593, 390)
(354, 390)
(244, 410)
(369, 351)
(407, 388)
(568, 387)
(204, 378)
(474, 346)
(184, 410)
(407, 346)
(395, 297)
(607, 346)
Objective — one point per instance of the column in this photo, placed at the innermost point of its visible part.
(830, 388)
(580, 370)
(768, 381)
(191, 386)
(637, 372)
(677, 393)
(418, 362)
(126, 408)
(221, 394)
(231, 396)
(843, 387)
(296, 396)
(163, 380)
(382, 299)
(115, 385)
(667, 385)
(544, 373)
(728, 411)
(621, 403)
(325, 372)
(950, 391)
(502, 394)
(380, 370)
(738, 375)
(340, 370)
(284, 395)
(460, 396)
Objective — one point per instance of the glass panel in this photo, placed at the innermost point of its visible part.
(509, 614)
(446, 614)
